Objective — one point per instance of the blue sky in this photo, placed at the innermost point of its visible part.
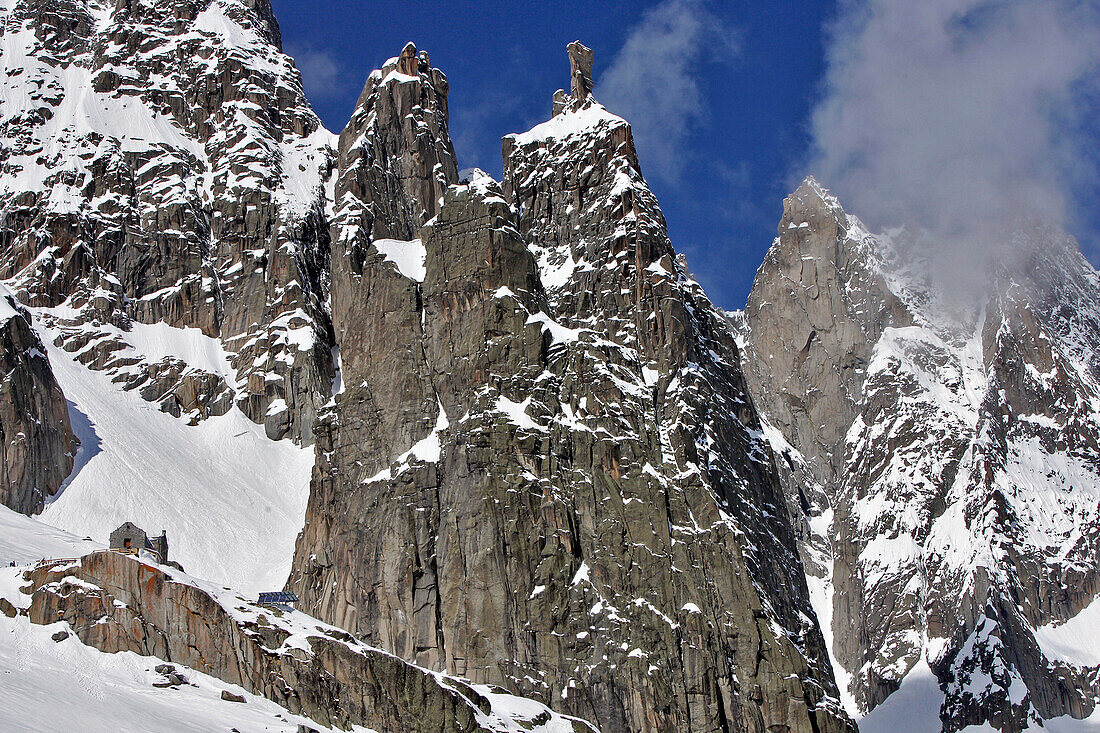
(720, 165)
(732, 102)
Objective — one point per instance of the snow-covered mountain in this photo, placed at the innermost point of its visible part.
(494, 434)
(942, 461)
(159, 164)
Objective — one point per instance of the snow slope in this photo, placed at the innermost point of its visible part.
(915, 708)
(917, 702)
(24, 540)
(231, 500)
(50, 684)
(407, 256)
(1077, 640)
(7, 304)
(47, 685)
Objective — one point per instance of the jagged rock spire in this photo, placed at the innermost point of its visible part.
(408, 62)
(580, 69)
(580, 77)
(411, 62)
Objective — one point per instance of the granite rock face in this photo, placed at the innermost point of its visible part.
(545, 460)
(159, 164)
(940, 458)
(395, 162)
(38, 442)
(116, 603)
(543, 469)
(395, 155)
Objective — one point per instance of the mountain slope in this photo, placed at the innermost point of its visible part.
(941, 459)
(231, 499)
(103, 623)
(160, 164)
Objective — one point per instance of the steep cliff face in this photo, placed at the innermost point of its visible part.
(115, 603)
(396, 160)
(543, 469)
(941, 460)
(537, 461)
(159, 164)
(539, 458)
(38, 442)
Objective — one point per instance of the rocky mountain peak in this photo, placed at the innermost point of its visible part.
(408, 62)
(812, 208)
(395, 165)
(818, 300)
(580, 78)
(506, 487)
(811, 192)
(580, 69)
(919, 439)
(171, 195)
(396, 157)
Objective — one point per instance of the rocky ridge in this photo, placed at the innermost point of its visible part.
(940, 459)
(543, 469)
(118, 603)
(183, 185)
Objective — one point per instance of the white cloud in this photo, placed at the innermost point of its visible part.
(654, 80)
(959, 116)
(320, 73)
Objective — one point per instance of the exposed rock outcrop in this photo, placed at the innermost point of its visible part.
(396, 161)
(37, 441)
(940, 458)
(117, 603)
(166, 168)
(580, 70)
(544, 470)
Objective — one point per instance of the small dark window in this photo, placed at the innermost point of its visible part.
(126, 543)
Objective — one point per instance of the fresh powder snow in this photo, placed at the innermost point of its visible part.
(231, 500)
(407, 256)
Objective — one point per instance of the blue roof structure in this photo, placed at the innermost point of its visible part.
(278, 597)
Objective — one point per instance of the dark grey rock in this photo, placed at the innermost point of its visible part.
(558, 489)
(36, 441)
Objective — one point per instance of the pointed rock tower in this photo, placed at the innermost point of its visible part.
(544, 471)
(940, 459)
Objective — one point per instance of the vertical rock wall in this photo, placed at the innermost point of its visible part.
(36, 441)
(544, 470)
